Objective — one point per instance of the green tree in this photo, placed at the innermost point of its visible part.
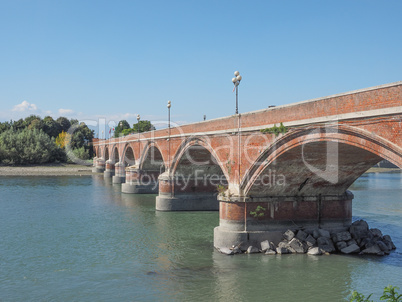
(81, 137)
(28, 120)
(19, 125)
(4, 126)
(123, 124)
(36, 124)
(144, 126)
(64, 123)
(51, 127)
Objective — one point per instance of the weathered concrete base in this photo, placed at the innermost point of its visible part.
(137, 188)
(108, 174)
(118, 179)
(250, 222)
(187, 202)
(98, 170)
(224, 238)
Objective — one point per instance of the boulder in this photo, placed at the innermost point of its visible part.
(343, 236)
(326, 244)
(226, 251)
(387, 239)
(359, 229)
(373, 250)
(353, 248)
(383, 247)
(351, 241)
(236, 250)
(376, 232)
(284, 244)
(266, 245)
(341, 245)
(310, 241)
(301, 235)
(297, 246)
(270, 252)
(282, 250)
(252, 250)
(324, 233)
(288, 235)
(314, 251)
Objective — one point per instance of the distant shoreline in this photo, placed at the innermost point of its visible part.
(46, 170)
(80, 170)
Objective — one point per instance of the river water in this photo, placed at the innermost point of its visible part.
(80, 239)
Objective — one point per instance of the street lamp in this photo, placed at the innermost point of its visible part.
(139, 147)
(236, 81)
(169, 104)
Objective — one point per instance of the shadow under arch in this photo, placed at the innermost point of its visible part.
(152, 158)
(106, 157)
(115, 154)
(317, 160)
(127, 157)
(188, 152)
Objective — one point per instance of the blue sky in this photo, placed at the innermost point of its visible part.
(116, 59)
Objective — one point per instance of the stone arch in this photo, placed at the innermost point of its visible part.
(194, 143)
(196, 168)
(128, 157)
(152, 158)
(115, 154)
(317, 160)
(106, 156)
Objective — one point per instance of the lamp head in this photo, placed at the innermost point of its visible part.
(169, 104)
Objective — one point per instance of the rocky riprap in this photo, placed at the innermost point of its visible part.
(359, 239)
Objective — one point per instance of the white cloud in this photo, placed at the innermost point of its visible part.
(25, 106)
(66, 111)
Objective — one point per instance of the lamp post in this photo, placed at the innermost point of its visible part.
(139, 147)
(236, 81)
(169, 104)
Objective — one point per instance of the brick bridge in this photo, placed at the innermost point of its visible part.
(266, 182)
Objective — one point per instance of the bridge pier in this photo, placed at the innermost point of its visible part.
(119, 173)
(109, 172)
(139, 182)
(178, 195)
(99, 165)
(247, 221)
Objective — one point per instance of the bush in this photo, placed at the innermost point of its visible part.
(27, 146)
(390, 295)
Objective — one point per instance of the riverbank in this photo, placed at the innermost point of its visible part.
(79, 170)
(383, 170)
(46, 170)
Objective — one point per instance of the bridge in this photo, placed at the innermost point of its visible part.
(265, 171)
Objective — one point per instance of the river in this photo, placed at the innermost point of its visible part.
(80, 239)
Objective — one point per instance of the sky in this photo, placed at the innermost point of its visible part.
(111, 60)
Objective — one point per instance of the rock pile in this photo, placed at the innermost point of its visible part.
(358, 239)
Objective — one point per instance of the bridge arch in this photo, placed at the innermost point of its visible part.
(106, 155)
(114, 154)
(317, 160)
(197, 168)
(152, 158)
(127, 156)
(188, 149)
